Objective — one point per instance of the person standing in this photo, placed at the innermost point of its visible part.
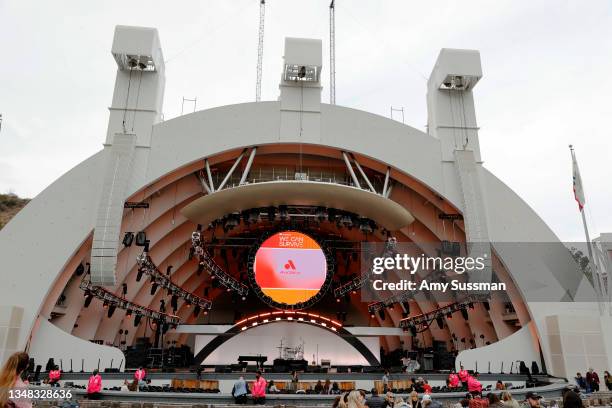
(532, 400)
(572, 400)
(508, 401)
(54, 377)
(608, 380)
(375, 401)
(592, 380)
(94, 386)
(463, 376)
(11, 381)
(385, 381)
(140, 375)
(474, 386)
(259, 389)
(294, 381)
(239, 391)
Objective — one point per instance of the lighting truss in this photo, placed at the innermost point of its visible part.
(288, 315)
(427, 318)
(213, 268)
(383, 304)
(114, 300)
(357, 282)
(146, 265)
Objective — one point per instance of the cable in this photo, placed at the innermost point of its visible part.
(127, 98)
(137, 98)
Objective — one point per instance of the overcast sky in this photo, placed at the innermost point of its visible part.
(547, 79)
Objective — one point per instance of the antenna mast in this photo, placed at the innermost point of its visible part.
(332, 52)
(262, 14)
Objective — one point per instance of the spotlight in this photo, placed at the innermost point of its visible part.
(128, 238)
(440, 322)
(105, 304)
(79, 270)
(139, 274)
(406, 307)
(413, 331)
(128, 313)
(111, 310)
(486, 306)
(381, 314)
(88, 300)
(320, 214)
(253, 217)
(124, 289)
(162, 306)
(471, 305)
(137, 320)
(464, 313)
(346, 221)
(141, 238)
(169, 270)
(200, 269)
(449, 315)
(196, 311)
(174, 302)
(153, 288)
(364, 226)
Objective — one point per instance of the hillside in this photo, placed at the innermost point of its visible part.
(10, 204)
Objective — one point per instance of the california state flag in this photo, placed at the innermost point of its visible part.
(578, 191)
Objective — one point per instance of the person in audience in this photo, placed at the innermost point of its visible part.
(140, 375)
(125, 387)
(389, 400)
(385, 381)
(477, 401)
(572, 400)
(318, 388)
(336, 402)
(414, 400)
(259, 389)
(327, 386)
(553, 404)
(499, 386)
(343, 400)
(94, 386)
(54, 376)
(355, 399)
(400, 403)
(592, 380)
(608, 380)
(463, 375)
(453, 379)
(375, 400)
(532, 400)
(473, 385)
(240, 391)
(10, 379)
(494, 401)
(508, 401)
(580, 381)
(426, 387)
(430, 402)
(335, 389)
(272, 388)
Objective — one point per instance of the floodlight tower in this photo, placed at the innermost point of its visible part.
(262, 14)
(332, 52)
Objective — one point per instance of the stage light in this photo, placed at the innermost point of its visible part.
(174, 302)
(283, 212)
(124, 289)
(486, 306)
(169, 270)
(253, 217)
(200, 269)
(464, 313)
(79, 270)
(449, 315)
(320, 214)
(139, 274)
(346, 221)
(128, 239)
(471, 305)
(413, 331)
(337, 300)
(162, 306)
(137, 320)
(88, 300)
(440, 322)
(196, 311)
(406, 307)
(364, 226)
(105, 304)
(111, 310)
(153, 288)
(381, 314)
(141, 238)
(128, 313)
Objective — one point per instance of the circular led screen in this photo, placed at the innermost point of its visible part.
(290, 268)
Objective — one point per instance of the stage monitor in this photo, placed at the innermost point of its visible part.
(290, 268)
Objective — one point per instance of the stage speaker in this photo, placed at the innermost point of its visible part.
(428, 362)
(141, 238)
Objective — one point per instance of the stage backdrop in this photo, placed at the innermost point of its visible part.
(266, 338)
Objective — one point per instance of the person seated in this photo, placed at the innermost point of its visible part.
(318, 388)
(474, 386)
(581, 381)
(477, 401)
(500, 385)
(453, 380)
(94, 386)
(494, 401)
(125, 386)
(272, 388)
(399, 403)
(54, 376)
(426, 387)
(240, 391)
(463, 376)
(428, 401)
(327, 387)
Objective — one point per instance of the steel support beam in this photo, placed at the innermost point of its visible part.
(350, 169)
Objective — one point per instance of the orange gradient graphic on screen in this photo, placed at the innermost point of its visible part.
(290, 267)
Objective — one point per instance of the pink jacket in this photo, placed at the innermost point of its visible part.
(259, 388)
(453, 380)
(94, 384)
(473, 384)
(140, 374)
(463, 375)
(21, 402)
(54, 375)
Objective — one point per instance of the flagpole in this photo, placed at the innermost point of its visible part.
(593, 266)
